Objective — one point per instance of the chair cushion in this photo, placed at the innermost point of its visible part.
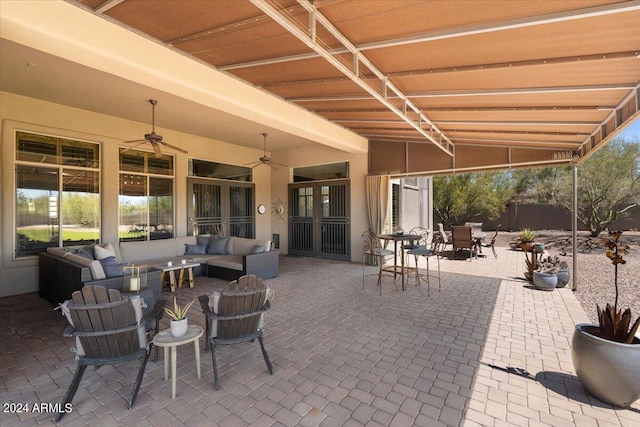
(421, 251)
(214, 301)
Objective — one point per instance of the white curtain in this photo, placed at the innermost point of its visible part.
(377, 202)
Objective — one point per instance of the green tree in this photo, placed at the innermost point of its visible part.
(608, 185)
(461, 198)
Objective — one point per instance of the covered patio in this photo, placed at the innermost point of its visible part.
(485, 350)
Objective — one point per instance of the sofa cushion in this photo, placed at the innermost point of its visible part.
(242, 246)
(218, 245)
(137, 251)
(195, 249)
(57, 251)
(232, 262)
(185, 240)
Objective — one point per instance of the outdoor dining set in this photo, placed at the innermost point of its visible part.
(418, 243)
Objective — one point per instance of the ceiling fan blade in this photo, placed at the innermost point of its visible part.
(156, 149)
(280, 164)
(174, 147)
(139, 143)
(134, 140)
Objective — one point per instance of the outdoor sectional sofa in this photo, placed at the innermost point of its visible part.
(63, 270)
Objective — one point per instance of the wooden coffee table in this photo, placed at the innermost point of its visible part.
(169, 271)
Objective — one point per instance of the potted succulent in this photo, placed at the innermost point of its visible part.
(526, 238)
(178, 317)
(606, 357)
(553, 265)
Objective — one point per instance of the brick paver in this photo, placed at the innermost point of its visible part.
(488, 350)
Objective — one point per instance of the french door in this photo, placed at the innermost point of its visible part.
(319, 219)
(211, 203)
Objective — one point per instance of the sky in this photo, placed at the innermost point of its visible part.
(632, 131)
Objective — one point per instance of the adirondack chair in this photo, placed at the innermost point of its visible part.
(108, 332)
(237, 318)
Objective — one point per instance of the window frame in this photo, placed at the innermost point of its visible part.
(59, 163)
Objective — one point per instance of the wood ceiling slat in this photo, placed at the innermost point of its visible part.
(312, 69)
(571, 130)
(508, 115)
(615, 71)
(609, 97)
(546, 41)
(169, 19)
(364, 21)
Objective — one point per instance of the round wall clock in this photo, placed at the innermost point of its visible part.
(261, 209)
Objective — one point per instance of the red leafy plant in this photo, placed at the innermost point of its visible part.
(614, 323)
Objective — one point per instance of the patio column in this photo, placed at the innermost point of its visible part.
(574, 227)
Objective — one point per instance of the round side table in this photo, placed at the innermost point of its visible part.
(168, 341)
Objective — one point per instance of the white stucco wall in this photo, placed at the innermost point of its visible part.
(20, 113)
(19, 276)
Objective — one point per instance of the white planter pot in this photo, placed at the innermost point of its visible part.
(608, 370)
(178, 327)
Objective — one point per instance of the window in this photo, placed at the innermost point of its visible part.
(57, 193)
(205, 169)
(146, 195)
(321, 172)
(214, 201)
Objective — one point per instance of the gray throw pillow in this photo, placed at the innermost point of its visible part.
(218, 245)
(87, 251)
(202, 240)
(111, 267)
(257, 249)
(195, 249)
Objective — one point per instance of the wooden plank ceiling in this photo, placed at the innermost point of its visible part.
(435, 86)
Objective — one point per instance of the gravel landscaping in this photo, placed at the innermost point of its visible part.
(595, 270)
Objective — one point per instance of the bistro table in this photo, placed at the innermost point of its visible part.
(400, 238)
(168, 341)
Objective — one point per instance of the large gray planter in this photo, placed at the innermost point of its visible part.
(563, 278)
(608, 370)
(545, 281)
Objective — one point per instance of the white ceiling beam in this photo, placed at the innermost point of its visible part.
(109, 4)
(484, 92)
(477, 122)
(440, 140)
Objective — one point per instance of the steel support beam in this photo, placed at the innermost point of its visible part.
(352, 72)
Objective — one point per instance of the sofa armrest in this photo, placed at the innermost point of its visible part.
(263, 265)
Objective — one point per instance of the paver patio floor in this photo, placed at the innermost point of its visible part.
(485, 350)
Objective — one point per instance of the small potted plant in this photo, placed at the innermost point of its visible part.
(178, 317)
(606, 356)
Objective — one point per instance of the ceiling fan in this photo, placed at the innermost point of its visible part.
(265, 160)
(153, 138)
